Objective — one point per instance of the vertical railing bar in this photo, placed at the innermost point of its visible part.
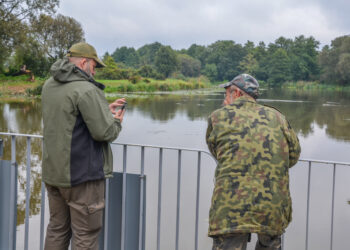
(13, 202)
(123, 234)
(282, 242)
(197, 199)
(106, 227)
(178, 200)
(42, 215)
(42, 209)
(333, 199)
(308, 208)
(26, 230)
(159, 196)
(141, 218)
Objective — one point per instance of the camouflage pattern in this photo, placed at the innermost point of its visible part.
(239, 242)
(245, 82)
(267, 242)
(254, 146)
(232, 242)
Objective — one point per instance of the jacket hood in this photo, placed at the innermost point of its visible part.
(64, 71)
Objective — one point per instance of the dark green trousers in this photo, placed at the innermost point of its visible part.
(239, 242)
(77, 212)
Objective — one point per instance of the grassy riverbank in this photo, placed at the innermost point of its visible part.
(315, 86)
(20, 86)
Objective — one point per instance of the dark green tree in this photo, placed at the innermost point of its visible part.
(226, 55)
(198, 52)
(334, 61)
(126, 55)
(211, 72)
(278, 67)
(189, 66)
(14, 16)
(147, 53)
(304, 54)
(165, 61)
(56, 34)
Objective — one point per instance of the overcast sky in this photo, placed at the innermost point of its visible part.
(109, 24)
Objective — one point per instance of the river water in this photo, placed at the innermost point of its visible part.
(321, 120)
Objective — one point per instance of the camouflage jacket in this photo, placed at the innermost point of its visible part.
(254, 146)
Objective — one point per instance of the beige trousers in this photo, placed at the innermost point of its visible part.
(76, 211)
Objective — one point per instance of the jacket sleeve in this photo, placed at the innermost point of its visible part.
(293, 144)
(94, 109)
(209, 138)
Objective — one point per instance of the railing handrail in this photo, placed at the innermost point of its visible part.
(177, 148)
(22, 135)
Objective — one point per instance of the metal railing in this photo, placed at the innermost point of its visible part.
(179, 187)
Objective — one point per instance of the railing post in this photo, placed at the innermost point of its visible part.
(142, 183)
(308, 208)
(42, 210)
(106, 226)
(42, 215)
(159, 196)
(333, 198)
(124, 199)
(13, 202)
(197, 199)
(26, 231)
(178, 200)
(1, 147)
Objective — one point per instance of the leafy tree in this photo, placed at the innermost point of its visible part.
(334, 61)
(226, 55)
(14, 14)
(31, 54)
(210, 71)
(249, 64)
(147, 53)
(304, 65)
(278, 67)
(113, 71)
(165, 61)
(126, 55)
(149, 71)
(343, 69)
(198, 52)
(189, 66)
(56, 34)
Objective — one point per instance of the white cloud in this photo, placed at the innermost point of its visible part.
(179, 23)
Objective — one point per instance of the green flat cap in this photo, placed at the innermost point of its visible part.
(85, 50)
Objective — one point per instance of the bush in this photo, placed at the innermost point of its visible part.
(36, 91)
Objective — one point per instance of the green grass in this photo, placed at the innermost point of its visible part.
(151, 85)
(315, 86)
(20, 86)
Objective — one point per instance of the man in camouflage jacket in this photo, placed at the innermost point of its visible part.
(255, 147)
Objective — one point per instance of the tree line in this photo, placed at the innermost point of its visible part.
(33, 34)
(285, 60)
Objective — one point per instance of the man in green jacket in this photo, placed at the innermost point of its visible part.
(79, 124)
(255, 147)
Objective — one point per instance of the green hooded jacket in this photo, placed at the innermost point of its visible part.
(255, 147)
(78, 127)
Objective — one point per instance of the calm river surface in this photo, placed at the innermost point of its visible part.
(321, 120)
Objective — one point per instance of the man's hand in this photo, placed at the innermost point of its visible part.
(119, 114)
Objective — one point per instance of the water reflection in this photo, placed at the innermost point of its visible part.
(152, 119)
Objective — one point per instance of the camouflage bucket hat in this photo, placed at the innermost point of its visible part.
(245, 82)
(85, 50)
